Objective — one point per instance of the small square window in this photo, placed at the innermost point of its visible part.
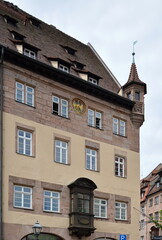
(29, 53)
(63, 68)
(92, 80)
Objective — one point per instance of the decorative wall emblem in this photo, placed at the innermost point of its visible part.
(78, 106)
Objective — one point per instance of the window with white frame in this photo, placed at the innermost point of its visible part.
(24, 94)
(157, 200)
(94, 118)
(91, 159)
(24, 142)
(60, 106)
(61, 152)
(100, 208)
(29, 53)
(51, 201)
(22, 197)
(63, 68)
(119, 127)
(119, 166)
(92, 80)
(120, 211)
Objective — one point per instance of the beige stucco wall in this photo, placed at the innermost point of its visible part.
(42, 167)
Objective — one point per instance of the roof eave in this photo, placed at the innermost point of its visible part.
(65, 78)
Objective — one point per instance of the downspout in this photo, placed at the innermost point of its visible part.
(1, 140)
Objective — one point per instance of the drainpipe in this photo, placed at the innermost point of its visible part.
(1, 139)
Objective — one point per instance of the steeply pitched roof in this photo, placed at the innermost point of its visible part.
(52, 43)
(134, 78)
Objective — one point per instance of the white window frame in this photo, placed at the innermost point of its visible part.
(93, 116)
(91, 159)
(120, 166)
(64, 68)
(62, 106)
(25, 141)
(51, 199)
(119, 210)
(29, 53)
(119, 127)
(22, 195)
(101, 206)
(92, 80)
(27, 92)
(62, 150)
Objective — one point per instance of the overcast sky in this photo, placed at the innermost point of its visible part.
(111, 26)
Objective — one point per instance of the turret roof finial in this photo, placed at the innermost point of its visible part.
(133, 51)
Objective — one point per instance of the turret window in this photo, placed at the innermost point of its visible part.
(137, 96)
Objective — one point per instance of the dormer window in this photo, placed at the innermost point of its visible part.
(29, 53)
(10, 20)
(78, 65)
(34, 22)
(69, 50)
(63, 68)
(17, 36)
(92, 80)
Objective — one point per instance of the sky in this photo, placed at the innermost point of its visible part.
(111, 26)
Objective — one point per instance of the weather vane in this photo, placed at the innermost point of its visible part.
(133, 50)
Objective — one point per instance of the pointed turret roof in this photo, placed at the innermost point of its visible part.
(133, 77)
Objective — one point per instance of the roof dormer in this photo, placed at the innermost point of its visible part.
(60, 64)
(10, 20)
(69, 50)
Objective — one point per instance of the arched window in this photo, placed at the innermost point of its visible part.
(42, 236)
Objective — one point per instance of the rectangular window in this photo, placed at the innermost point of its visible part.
(150, 217)
(119, 166)
(156, 216)
(157, 200)
(61, 151)
(120, 211)
(119, 127)
(24, 94)
(142, 224)
(51, 201)
(91, 159)
(92, 80)
(137, 96)
(24, 142)
(151, 202)
(22, 197)
(63, 68)
(100, 208)
(94, 118)
(29, 53)
(83, 203)
(60, 106)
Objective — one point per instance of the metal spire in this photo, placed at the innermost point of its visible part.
(133, 51)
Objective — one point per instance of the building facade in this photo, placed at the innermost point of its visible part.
(151, 204)
(69, 136)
